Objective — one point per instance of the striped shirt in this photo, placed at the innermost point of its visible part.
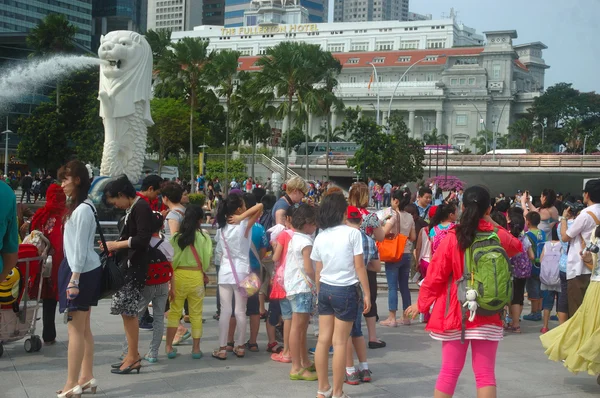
(484, 332)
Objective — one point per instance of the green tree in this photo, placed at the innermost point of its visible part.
(434, 138)
(170, 117)
(334, 136)
(286, 70)
(159, 41)
(520, 133)
(223, 70)
(394, 156)
(182, 70)
(52, 35)
(293, 138)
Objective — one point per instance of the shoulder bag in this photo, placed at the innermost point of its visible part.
(251, 284)
(392, 247)
(113, 277)
(586, 255)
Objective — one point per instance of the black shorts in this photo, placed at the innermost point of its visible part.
(89, 288)
(252, 306)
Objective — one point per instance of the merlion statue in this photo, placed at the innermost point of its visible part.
(125, 83)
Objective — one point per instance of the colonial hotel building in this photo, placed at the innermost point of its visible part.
(458, 81)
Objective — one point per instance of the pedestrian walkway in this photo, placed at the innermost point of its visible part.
(408, 367)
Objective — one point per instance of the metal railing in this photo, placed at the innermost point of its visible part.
(271, 163)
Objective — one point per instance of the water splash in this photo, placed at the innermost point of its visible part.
(21, 80)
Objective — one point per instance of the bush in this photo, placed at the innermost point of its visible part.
(235, 169)
(447, 184)
(197, 199)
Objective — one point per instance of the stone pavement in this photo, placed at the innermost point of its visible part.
(408, 367)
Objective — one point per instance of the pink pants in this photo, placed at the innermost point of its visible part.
(454, 354)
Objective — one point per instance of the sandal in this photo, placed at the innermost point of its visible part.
(240, 351)
(311, 367)
(263, 315)
(312, 376)
(389, 323)
(274, 347)
(326, 394)
(513, 329)
(221, 354)
(252, 347)
(230, 346)
(281, 358)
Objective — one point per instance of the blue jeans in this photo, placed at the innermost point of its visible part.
(397, 275)
(387, 199)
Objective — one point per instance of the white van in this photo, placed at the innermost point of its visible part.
(510, 152)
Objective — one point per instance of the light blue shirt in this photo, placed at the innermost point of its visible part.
(387, 188)
(562, 263)
(79, 237)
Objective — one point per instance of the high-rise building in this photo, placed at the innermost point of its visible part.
(235, 9)
(23, 15)
(413, 16)
(273, 12)
(109, 15)
(370, 10)
(179, 15)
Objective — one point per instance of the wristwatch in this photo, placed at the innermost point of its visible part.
(74, 282)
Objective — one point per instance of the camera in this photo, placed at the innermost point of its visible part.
(592, 248)
(574, 207)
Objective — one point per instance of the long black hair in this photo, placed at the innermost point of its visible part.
(228, 207)
(403, 196)
(187, 231)
(476, 202)
(516, 223)
(550, 198)
(332, 210)
(442, 213)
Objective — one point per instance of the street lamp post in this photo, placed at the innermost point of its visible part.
(498, 124)
(6, 132)
(402, 77)
(378, 89)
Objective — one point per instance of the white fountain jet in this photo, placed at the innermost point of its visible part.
(124, 95)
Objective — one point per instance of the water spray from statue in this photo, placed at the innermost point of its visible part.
(22, 80)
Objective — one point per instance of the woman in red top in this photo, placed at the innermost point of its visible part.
(447, 265)
(49, 221)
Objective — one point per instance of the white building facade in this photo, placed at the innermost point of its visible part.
(370, 10)
(438, 73)
(275, 12)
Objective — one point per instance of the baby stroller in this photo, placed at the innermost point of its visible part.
(20, 294)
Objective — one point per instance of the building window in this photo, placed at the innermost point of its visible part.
(353, 60)
(453, 82)
(431, 58)
(383, 46)
(359, 47)
(245, 52)
(466, 61)
(429, 77)
(352, 79)
(335, 48)
(428, 124)
(461, 120)
(463, 81)
(471, 81)
(409, 45)
(404, 78)
(378, 60)
(263, 51)
(436, 43)
(496, 70)
(403, 59)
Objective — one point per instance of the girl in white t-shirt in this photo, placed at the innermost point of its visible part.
(235, 223)
(299, 284)
(340, 273)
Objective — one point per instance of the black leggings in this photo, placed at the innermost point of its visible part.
(518, 291)
(373, 288)
(48, 319)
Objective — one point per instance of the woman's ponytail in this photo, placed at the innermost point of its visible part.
(476, 202)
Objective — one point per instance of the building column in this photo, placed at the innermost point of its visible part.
(104, 26)
(333, 119)
(411, 122)
(309, 127)
(438, 122)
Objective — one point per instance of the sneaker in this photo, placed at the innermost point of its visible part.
(145, 325)
(151, 358)
(538, 316)
(311, 351)
(365, 375)
(353, 378)
(554, 318)
(531, 317)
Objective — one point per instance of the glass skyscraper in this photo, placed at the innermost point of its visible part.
(109, 15)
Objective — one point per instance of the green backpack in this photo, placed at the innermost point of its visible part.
(489, 272)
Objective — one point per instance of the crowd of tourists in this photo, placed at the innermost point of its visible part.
(292, 262)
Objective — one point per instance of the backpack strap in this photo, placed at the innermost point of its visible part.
(159, 243)
(594, 217)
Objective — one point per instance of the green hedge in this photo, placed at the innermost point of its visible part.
(197, 199)
(235, 169)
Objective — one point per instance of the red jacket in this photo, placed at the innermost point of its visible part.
(446, 267)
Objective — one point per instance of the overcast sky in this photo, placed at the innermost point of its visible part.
(570, 29)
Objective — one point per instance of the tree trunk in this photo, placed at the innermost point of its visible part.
(287, 140)
(225, 185)
(328, 140)
(57, 96)
(161, 152)
(253, 153)
(192, 189)
(306, 152)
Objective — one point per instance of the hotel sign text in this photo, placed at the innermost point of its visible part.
(253, 30)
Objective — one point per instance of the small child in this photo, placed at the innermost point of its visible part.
(341, 271)
(537, 238)
(299, 286)
(357, 340)
(550, 276)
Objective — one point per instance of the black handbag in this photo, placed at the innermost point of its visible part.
(113, 277)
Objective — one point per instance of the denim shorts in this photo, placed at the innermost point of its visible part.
(301, 303)
(357, 325)
(286, 309)
(534, 287)
(340, 301)
(549, 297)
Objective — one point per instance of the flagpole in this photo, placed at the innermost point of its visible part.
(378, 88)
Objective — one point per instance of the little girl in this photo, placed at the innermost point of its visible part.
(299, 276)
(235, 224)
(550, 276)
(443, 220)
(338, 251)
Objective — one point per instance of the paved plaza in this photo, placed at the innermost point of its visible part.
(406, 368)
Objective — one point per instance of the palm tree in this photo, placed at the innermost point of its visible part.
(521, 132)
(52, 35)
(434, 139)
(287, 69)
(320, 100)
(159, 41)
(184, 68)
(332, 136)
(223, 70)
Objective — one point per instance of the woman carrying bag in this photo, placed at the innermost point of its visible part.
(395, 251)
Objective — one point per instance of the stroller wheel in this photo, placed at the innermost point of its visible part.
(37, 343)
(28, 345)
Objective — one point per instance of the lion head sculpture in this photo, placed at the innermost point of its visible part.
(127, 77)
